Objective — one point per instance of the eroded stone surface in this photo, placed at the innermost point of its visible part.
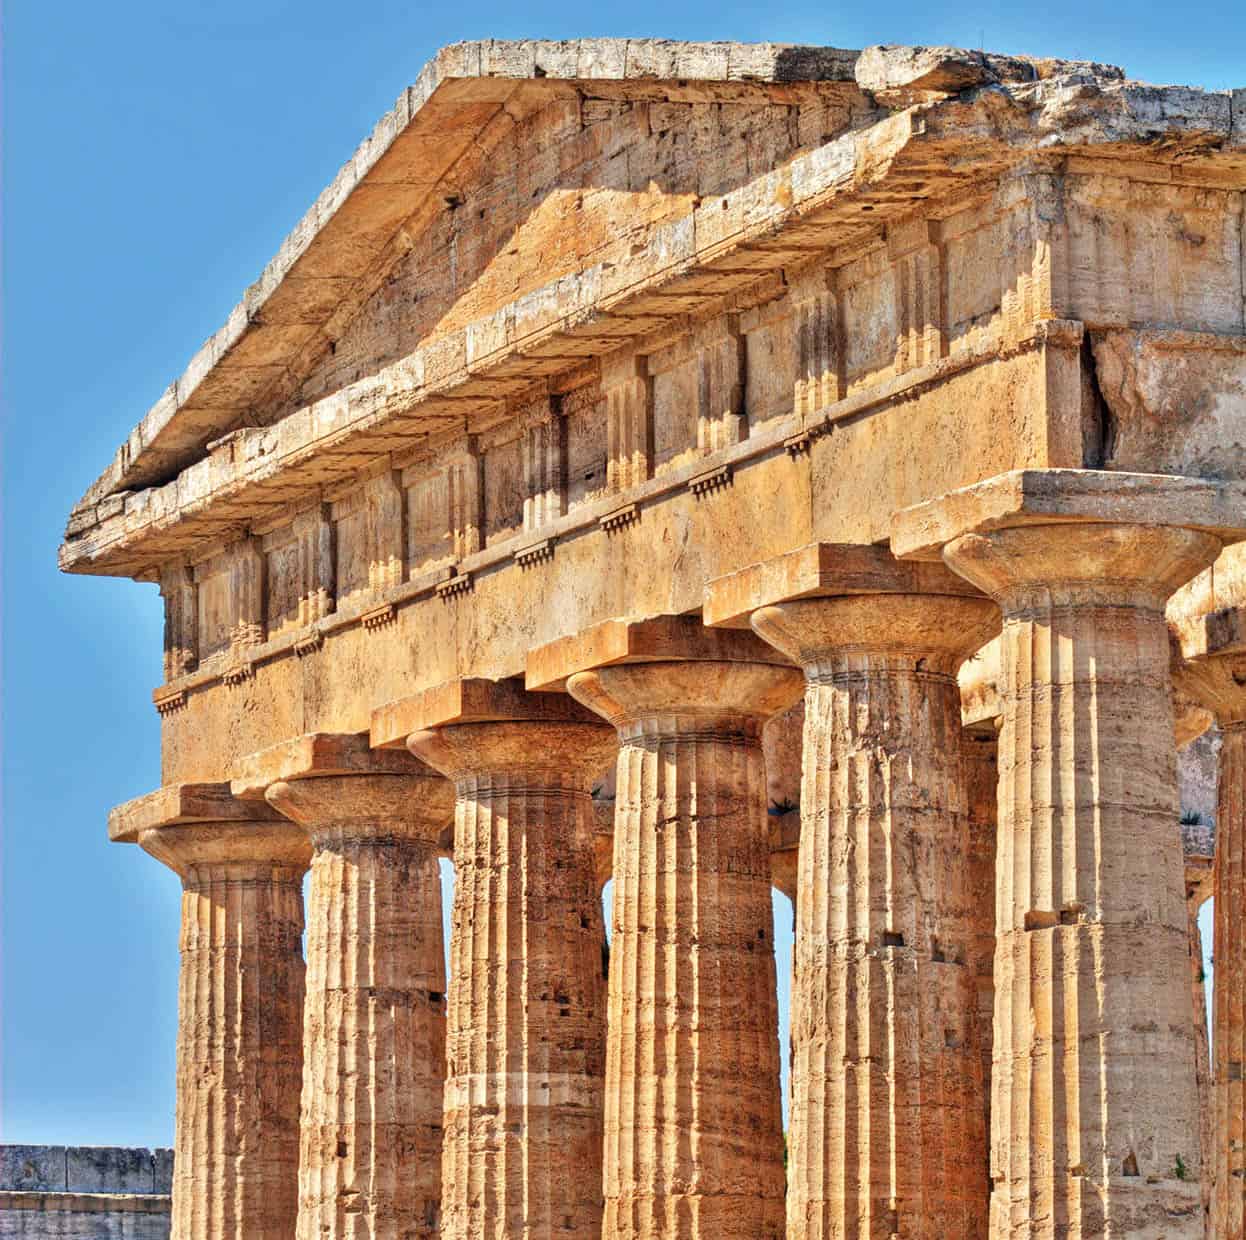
(594, 341)
(527, 1013)
(1092, 929)
(240, 1026)
(887, 1123)
(693, 1128)
(374, 1017)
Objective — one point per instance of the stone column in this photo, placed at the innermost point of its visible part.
(527, 1018)
(886, 1134)
(694, 1141)
(1216, 675)
(240, 1009)
(374, 1018)
(979, 757)
(1095, 1107)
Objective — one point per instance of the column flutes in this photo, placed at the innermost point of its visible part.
(887, 1126)
(240, 1020)
(526, 1023)
(1095, 1104)
(694, 1140)
(1216, 676)
(374, 1027)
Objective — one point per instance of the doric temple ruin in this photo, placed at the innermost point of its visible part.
(629, 425)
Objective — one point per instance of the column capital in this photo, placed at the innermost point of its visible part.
(1081, 563)
(468, 728)
(659, 639)
(934, 632)
(337, 782)
(186, 826)
(1043, 497)
(180, 805)
(1212, 669)
(825, 570)
(315, 755)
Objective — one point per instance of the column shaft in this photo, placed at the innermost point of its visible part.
(375, 1034)
(1229, 998)
(887, 1131)
(239, 1045)
(1095, 1106)
(526, 1020)
(694, 1139)
(374, 1018)
(981, 771)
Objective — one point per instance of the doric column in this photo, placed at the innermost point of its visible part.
(1216, 675)
(240, 1007)
(980, 764)
(1095, 1107)
(887, 1123)
(694, 1141)
(374, 1017)
(527, 1019)
(1095, 1097)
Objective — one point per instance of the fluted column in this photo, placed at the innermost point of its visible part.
(374, 1018)
(979, 756)
(1218, 680)
(239, 1040)
(887, 1125)
(694, 1141)
(1095, 1127)
(526, 1027)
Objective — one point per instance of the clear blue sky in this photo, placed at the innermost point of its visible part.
(155, 155)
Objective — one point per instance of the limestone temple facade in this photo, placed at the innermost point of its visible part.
(712, 467)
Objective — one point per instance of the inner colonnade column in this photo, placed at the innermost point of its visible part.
(374, 1017)
(1215, 674)
(527, 1015)
(1095, 1126)
(887, 1125)
(693, 1127)
(240, 1006)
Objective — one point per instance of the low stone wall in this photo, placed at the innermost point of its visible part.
(76, 1192)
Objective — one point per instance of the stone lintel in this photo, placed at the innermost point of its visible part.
(471, 700)
(177, 805)
(661, 639)
(1070, 496)
(1216, 633)
(318, 754)
(824, 570)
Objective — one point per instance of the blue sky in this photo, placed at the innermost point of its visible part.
(154, 156)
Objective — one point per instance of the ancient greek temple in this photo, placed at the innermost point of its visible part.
(629, 425)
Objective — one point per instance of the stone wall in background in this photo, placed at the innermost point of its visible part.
(76, 1192)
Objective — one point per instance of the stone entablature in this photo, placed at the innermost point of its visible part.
(716, 392)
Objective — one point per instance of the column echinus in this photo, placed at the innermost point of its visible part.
(374, 1016)
(693, 1127)
(1214, 646)
(526, 1025)
(1095, 1127)
(240, 1006)
(887, 1131)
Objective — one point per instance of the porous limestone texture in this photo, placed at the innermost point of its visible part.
(57, 1192)
(594, 348)
(693, 1128)
(1215, 674)
(887, 1124)
(240, 1026)
(526, 1041)
(1095, 1127)
(374, 1017)
(980, 770)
